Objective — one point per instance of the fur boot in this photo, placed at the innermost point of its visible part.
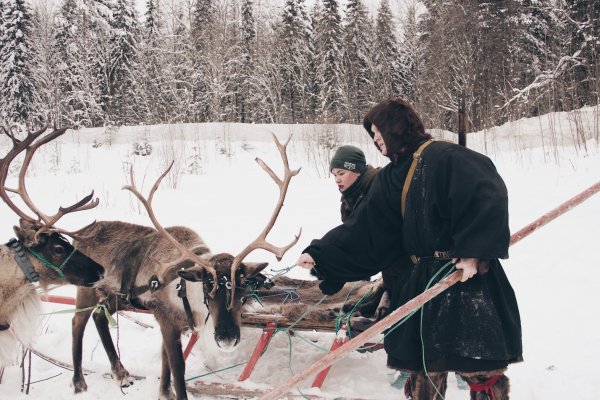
(420, 386)
(488, 385)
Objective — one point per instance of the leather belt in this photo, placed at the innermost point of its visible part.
(437, 255)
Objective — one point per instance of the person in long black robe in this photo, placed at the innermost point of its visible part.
(457, 203)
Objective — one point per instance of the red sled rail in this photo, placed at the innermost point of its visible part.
(418, 301)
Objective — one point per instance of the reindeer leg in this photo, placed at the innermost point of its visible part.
(172, 344)
(79, 322)
(119, 373)
(165, 392)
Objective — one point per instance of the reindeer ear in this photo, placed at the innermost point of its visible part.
(194, 274)
(252, 269)
(25, 236)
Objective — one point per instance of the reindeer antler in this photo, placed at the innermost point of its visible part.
(185, 253)
(28, 145)
(261, 241)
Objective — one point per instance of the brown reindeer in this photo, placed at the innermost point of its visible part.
(173, 273)
(39, 253)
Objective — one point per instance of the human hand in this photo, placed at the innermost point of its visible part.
(468, 266)
(384, 306)
(305, 261)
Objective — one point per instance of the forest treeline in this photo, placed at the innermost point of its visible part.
(99, 63)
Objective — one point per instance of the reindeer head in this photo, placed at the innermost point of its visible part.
(224, 276)
(53, 254)
(45, 245)
(226, 320)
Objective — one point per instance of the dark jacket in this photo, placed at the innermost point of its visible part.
(457, 202)
(394, 276)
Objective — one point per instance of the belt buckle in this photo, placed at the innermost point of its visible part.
(442, 255)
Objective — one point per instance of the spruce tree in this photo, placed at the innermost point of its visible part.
(18, 93)
(330, 59)
(45, 74)
(248, 47)
(387, 68)
(152, 93)
(292, 61)
(357, 65)
(124, 63)
(411, 55)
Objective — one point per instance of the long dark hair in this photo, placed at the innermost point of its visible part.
(400, 126)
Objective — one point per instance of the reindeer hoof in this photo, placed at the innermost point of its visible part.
(166, 396)
(124, 381)
(80, 386)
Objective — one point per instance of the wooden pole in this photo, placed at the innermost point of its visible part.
(418, 301)
(462, 122)
(361, 339)
(564, 207)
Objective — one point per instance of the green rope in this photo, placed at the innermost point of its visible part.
(282, 271)
(346, 317)
(48, 264)
(215, 371)
(403, 320)
(98, 308)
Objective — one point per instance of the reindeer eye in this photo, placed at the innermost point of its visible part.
(58, 249)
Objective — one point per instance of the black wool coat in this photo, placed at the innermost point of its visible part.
(396, 275)
(457, 202)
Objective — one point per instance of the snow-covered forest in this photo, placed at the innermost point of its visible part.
(119, 62)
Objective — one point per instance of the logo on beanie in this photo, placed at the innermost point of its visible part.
(349, 166)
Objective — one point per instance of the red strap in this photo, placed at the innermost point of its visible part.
(485, 387)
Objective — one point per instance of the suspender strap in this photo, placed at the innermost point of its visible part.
(408, 180)
(411, 171)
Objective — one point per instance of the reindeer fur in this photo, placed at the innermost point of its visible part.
(20, 306)
(291, 298)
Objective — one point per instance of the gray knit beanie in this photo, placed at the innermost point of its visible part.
(350, 158)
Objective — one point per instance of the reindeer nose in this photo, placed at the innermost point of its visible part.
(227, 340)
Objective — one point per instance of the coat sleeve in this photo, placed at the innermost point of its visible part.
(368, 241)
(477, 205)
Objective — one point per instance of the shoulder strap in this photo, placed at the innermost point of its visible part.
(411, 171)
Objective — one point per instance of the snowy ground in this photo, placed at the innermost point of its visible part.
(220, 191)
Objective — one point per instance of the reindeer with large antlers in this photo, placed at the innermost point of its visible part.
(172, 272)
(39, 253)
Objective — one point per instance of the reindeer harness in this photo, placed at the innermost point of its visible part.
(22, 261)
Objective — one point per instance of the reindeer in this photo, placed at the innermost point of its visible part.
(38, 254)
(172, 273)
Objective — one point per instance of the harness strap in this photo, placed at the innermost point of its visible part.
(181, 292)
(22, 261)
(59, 269)
(485, 387)
(408, 181)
